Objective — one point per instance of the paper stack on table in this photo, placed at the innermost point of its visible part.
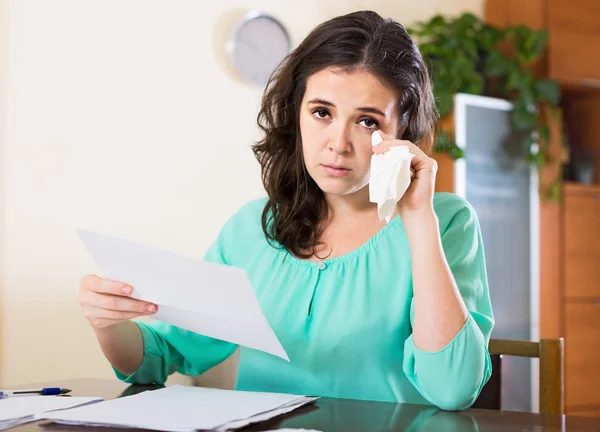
(211, 299)
(182, 409)
(18, 410)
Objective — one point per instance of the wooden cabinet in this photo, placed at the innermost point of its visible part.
(582, 371)
(582, 244)
(581, 297)
(574, 38)
(573, 57)
(590, 413)
(504, 13)
(570, 230)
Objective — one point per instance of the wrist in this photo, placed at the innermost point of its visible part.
(419, 215)
(421, 226)
(104, 332)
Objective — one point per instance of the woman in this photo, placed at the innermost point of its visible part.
(364, 309)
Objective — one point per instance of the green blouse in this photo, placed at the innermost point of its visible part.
(346, 323)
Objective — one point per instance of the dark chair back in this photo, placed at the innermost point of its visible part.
(551, 380)
(491, 394)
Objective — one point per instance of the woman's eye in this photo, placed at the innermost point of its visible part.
(321, 113)
(369, 123)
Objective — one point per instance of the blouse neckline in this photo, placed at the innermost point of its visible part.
(362, 249)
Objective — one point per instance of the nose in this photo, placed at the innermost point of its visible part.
(340, 142)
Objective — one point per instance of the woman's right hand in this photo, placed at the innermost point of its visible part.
(106, 302)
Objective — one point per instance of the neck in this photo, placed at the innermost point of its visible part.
(350, 206)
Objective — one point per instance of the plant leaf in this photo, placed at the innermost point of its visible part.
(496, 64)
(544, 135)
(444, 101)
(529, 44)
(522, 116)
(556, 191)
(548, 91)
(437, 21)
(489, 37)
(442, 141)
(540, 42)
(456, 152)
(443, 144)
(476, 85)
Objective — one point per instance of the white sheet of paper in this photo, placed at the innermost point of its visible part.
(283, 409)
(16, 410)
(211, 299)
(181, 409)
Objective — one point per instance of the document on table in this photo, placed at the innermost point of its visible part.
(211, 299)
(18, 410)
(182, 409)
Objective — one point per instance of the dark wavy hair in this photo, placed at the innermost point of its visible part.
(296, 209)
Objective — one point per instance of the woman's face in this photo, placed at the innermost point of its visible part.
(339, 112)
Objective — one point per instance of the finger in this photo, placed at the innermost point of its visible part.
(422, 165)
(382, 147)
(414, 149)
(112, 315)
(394, 142)
(420, 161)
(106, 286)
(386, 137)
(120, 303)
(419, 157)
(385, 145)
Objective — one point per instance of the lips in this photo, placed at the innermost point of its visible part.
(336, 170)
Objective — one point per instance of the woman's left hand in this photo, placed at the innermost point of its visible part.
(419, 195)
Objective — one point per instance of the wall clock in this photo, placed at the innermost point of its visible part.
(257, 45)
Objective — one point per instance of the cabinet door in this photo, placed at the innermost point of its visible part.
(582, 244)
(582, 370)
(584, 413)
(504, 13)
(574, 38)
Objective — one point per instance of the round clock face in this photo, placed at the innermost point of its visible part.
(259, 44)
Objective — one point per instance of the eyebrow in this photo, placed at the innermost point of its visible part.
(372, 110)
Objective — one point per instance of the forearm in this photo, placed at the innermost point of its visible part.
(123, 346)
(439, 311)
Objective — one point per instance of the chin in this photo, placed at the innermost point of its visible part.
(340, 187)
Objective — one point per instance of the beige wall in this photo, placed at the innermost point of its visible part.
(120, 119)
(4, 46)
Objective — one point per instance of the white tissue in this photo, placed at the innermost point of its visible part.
(390, 177)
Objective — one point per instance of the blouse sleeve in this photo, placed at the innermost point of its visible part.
(452, 378)
(169, 349)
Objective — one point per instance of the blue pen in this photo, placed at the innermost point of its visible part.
(46, 391)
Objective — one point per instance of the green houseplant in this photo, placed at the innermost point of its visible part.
(467, 55)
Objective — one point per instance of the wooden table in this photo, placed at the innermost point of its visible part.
(337, 415)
